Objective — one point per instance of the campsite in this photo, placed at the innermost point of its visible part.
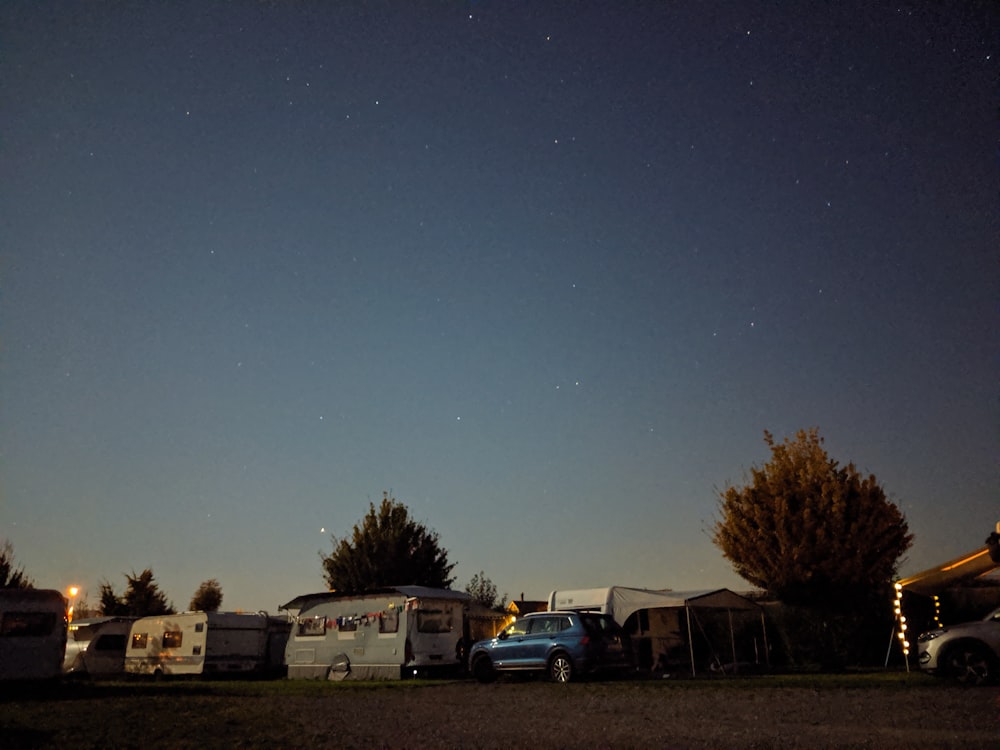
(879, 711)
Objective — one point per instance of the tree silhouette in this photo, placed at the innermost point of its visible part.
(808, 530)
(142, 597)
(12, 576)
(387, 548)
(483, 590)
(208, 597)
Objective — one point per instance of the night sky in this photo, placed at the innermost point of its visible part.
(545, 272)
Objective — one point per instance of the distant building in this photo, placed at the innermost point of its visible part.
(524, 606)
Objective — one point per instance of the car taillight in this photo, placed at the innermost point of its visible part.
(585, 640)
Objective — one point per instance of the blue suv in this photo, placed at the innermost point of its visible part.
(562, 645)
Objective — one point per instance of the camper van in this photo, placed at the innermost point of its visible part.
(95, 646)
(32, 634)
(385, 634)
(210, 643)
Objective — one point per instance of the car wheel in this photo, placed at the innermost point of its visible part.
(482, 669)
(560, 668)
(970, 664)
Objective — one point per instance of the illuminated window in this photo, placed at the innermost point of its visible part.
(172, 639)
(139, 641)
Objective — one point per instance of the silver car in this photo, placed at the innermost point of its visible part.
(968, 653)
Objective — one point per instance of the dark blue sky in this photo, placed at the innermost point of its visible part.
(544, 271)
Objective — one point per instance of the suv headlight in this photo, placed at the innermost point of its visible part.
(929, 635)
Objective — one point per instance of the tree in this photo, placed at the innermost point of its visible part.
(208, 597)
(142, 597)
(482, 590)
(808, 530)
(12, 576)
(388, 548)
(822, 539)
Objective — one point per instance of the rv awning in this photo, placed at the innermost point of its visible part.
(937, 579)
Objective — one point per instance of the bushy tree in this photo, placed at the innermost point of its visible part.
(208, 597)
(12, 575)
(142, 597)
(483, 591)
(388, 548)
(814, 533)
(807, 529)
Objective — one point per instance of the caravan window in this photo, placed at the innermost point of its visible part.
(110, 642)
(433, 621)
(139, 641)
(389, 621)
(172, 639)
(27, 624)
(347, 624)
(312, 626)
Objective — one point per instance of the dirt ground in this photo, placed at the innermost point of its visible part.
(464, 714)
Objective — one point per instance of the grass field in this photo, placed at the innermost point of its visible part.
(829, 711)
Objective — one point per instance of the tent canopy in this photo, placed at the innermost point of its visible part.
(937, 579)
(622, 601)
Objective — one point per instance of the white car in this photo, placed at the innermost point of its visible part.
(968, 653)
(95, 647)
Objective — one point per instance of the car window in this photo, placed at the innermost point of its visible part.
(542, 625)
(518, 627)
(549, 625)
(603, 626)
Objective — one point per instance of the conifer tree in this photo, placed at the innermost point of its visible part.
(142, 597)
(12, 575)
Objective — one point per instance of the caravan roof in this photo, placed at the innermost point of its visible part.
(622, 601)
(414, 592)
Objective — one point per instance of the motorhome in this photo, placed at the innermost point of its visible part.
(214, 643)
(32, 634)
(95, 646)
(389, 633)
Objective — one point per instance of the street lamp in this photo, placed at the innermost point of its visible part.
(73, 591)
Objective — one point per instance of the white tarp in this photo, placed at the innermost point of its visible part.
(622, 601)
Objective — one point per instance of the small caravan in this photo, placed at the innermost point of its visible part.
(32, 634)
(95, 646)
(193, 643)
(382, 634)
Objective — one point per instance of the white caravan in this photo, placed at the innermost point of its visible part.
(385, 634)
(211, 643)
(95, 646)
(663, 625)
(32, 634)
